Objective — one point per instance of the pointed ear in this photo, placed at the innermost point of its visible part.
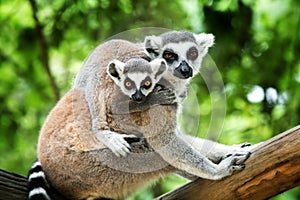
(205, 40)
(115, 69)
(152, 45)
(159, 67)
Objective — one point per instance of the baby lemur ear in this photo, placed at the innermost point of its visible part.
(159, 67)
(205, 40)
(115, 69)
(152, 45)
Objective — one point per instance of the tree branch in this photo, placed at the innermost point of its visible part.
(273, 167)
(44, 49)
(14, 186)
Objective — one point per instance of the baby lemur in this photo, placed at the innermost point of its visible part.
(90, 118)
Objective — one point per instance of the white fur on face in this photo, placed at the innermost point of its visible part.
(137, 78)
(181, 50)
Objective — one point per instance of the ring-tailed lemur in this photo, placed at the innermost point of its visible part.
(37, 184)
(136, 78)
(115, 49)
(183, 51)
(82, 154)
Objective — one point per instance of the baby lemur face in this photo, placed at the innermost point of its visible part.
(136, 77)
(182, 50)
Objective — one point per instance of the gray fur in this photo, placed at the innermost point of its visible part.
(177, 37)
(137, 66)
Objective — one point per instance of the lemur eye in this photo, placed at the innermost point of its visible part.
(192, 53)
(128, 84)
(147, 84)
(168, 56)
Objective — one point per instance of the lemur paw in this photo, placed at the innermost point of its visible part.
(233, 163)
(244, 155)
(246, 144)
(244, 148)
(165, 96)
(115, 142)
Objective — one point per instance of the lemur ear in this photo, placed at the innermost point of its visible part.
(159, 67)
(152, 45)
(114, 69)
(205, 40)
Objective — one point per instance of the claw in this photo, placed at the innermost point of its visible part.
(246, 144)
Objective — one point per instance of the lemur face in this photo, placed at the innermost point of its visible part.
(137, 77)
(183, 51)
(181, 57)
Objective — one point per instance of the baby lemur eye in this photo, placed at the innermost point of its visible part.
(127, 84)
(147, 84)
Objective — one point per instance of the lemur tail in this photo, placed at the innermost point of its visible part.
(38, 186)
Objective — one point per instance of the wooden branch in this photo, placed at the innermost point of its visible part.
(273, 167)
(14, 186)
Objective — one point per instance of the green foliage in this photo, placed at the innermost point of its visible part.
(256, 45)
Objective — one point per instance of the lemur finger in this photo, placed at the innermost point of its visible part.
(246, 144)
(239, 158)
(243, 158)
(122, 144)
(238, 167)
(128, 136)
(126, 145)
(123, 151)
(157, 88)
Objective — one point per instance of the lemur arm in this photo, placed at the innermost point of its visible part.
(97, 107)
(185, 157)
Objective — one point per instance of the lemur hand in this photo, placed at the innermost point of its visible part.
(115, 142)
(232, 163)
(162, 96)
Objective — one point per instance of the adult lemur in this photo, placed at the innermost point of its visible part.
(80, 165)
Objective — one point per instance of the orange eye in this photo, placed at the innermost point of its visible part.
(194, 54)
(168, 56)
(127, 84)
(147, 83)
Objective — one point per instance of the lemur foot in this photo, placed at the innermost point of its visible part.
(244, 148)
(243, 157)
(246, 144)
(115, 142)
(232, 163)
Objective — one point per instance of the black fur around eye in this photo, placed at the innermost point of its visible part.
(129, 84)
(170, 56)
(192, 53)
(146, 83)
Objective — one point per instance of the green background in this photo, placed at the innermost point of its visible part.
(44, 43)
